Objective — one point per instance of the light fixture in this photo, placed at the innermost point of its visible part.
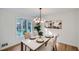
(39, 20)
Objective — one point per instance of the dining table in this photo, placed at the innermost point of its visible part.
(33, 44)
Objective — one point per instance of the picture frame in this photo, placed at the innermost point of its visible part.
(54, 24)
(48, 24)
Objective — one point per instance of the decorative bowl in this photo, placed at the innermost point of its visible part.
(40, 40)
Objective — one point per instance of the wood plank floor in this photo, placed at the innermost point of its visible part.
(65, 47)
(60, 47)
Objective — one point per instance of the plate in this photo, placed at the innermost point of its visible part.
(32, 38)
(40, 40)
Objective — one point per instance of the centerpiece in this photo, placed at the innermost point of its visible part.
(38, 22)
(40, 33)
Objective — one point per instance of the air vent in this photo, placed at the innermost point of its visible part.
(5, 44)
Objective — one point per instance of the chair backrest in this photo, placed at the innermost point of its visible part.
(55, 39)
(54, 43)
(26, 35)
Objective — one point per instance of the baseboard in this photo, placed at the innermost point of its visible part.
(9, 46)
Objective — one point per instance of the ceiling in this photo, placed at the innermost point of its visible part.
(35, 11)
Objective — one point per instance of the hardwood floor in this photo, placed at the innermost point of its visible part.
(65, 47)
(60, 47)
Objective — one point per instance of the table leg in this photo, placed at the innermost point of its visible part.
(25, 47)
(21, 46)
(55, 47)
(30, 49)
(46, 44)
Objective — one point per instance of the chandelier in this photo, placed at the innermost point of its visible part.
(39, 19)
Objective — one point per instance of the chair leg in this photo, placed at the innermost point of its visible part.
(25, 47)
(46, 44)
(31, 50)
(54, 48)
(21, 46)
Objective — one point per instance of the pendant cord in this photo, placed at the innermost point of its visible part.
(40, 13)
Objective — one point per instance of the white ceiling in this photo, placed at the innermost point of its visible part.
(35, 11)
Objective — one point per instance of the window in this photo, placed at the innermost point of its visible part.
(22, 24)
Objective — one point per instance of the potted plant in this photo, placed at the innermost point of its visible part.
(38, 28)
(40, 33)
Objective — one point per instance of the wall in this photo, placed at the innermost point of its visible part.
(8, 26)
(77, 27)
(69, 28)
(68, 34)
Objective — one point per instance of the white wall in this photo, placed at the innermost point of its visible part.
(68, 34)
(77, 27)
(69, 28)
(8, 26)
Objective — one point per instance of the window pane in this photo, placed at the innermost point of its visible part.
(29, 26)
(23, 25)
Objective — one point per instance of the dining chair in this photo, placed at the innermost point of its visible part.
(26, 36)
(54, 42)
